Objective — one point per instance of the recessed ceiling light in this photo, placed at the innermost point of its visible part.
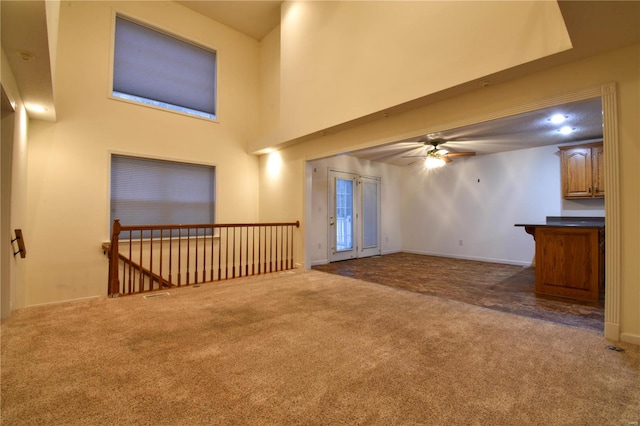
(565, 130)
(557, 118)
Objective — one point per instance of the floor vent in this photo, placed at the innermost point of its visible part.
(151, 296)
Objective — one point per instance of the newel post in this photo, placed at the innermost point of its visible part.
(114, 283)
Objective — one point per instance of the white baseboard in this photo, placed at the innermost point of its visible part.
(326, 261)
(391, 251)
(427, 253)
(65, 301)
(630, 338)
(479, 259)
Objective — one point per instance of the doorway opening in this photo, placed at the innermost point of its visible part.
(607, 94)
(353, 216)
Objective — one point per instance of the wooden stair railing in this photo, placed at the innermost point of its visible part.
(145, 258)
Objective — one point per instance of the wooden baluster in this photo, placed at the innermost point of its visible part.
(233, 264)
(246, 266)
(281, 247)
(290, 246)
(274, 248)
(204, 255)
(151, 284)
(226, 257)
(188, 256)
(161, 281)
(179, 257)
(123, 281)
(292, 252)
(220, 254)
(253, 250)
(271, 248)
(286, 250)
(240, 252)
(213, 231)
(132, 283)
(170, 255)
(141, 276)
(264, 253)
(195, 272)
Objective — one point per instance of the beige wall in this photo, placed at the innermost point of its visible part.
(13, 207)
(388, 53)
(287, 195)
(69, 160)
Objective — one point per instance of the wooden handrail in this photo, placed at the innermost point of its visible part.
(169, 256)
(201, 226)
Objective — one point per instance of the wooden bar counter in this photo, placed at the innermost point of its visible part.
(569, 257)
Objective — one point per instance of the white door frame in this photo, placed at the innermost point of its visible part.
(364, 242)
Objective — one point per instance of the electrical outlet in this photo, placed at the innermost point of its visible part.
(460, 242)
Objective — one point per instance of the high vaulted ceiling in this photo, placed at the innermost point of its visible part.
(253, 18)
(594, 26)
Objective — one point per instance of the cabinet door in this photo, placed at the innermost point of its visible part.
(568, 262)
(597, 157)
(576, 170)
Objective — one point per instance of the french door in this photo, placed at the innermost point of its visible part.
(354, 216)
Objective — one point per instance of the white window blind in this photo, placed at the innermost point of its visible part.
(152, 67)
(155, 192)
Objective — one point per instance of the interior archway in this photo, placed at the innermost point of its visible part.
(607, 93)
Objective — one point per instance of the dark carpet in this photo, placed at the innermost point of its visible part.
(497, 286)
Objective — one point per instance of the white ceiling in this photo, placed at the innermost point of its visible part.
(522, 131)
(253, 18)
(24, 31)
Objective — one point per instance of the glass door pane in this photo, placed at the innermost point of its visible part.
(344, 214)
(369, 214)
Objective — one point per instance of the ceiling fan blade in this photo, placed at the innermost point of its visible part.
(461, 154)
(446, 160)
(414, 156)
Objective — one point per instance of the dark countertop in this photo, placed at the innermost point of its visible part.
(562, 221)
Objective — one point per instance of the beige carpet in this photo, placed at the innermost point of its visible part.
(306, 348)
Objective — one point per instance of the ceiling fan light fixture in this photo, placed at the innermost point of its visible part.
(434, 162)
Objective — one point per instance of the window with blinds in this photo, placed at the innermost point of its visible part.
(156, 192)
(158, 69)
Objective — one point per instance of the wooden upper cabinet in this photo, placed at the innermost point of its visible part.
(583, 171)
(597, 159)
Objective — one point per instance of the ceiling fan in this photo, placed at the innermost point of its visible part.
(437, 157)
